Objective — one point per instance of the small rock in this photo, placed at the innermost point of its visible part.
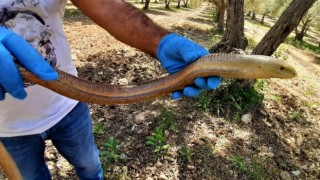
(74, 57)
(169, 159)
(138, 146)
(191, 168)
(199, 142)
(52, 156)
(314, 106)
(189, 116)
(134, 166)
(296, 173)
(163, 177)
(285, 175)
(247, 118)
(158, 164)
(166, 133)
(312, 166)
(123, 81)
(149, 178)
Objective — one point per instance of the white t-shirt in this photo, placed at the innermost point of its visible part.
(40, 23)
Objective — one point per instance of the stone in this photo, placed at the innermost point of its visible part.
(163, 177)
(123, 81)
(191, 168)
(284, 175)
(247, 118)
(296, 173)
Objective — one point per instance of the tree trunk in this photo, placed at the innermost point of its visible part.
(305, 26)
(234, 36)
(167, 2)
(178, 5)
(221, 6)
(300, 35)
(253, 15)
(185, 2)
(286, 23)
(220, 18)
(262, 20)
(146, 5)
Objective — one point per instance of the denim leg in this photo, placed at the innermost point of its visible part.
(73, 137)
(28, 154)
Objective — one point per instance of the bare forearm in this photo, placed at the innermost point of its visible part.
(124, 22)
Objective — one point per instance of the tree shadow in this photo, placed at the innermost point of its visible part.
(257, 22)
(201, 20)
(317, 60)
(73, 15)
(205, 37)
(304, 45)
(155, 12)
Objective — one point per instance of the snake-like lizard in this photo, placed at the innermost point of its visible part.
(224, 65)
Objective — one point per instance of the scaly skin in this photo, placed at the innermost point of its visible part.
(224, 65)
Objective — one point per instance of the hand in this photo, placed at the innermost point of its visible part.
(175, 53)
(27, 56)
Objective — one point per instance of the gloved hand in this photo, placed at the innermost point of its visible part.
(175, 53)
(27, 56)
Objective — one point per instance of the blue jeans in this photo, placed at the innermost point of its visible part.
(72, 137)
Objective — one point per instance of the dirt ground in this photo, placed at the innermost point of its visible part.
(281, 141)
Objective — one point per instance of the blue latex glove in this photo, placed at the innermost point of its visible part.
(27, 56)
(175, 53)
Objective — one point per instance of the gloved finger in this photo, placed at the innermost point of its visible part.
(10, 78)
(192, 91)
(191, 51)
(29, 57)
(2, 95)
(213, 82)
(201, 83)
(176, 95)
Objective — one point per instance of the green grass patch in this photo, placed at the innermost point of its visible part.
(250, 167)
(303, 45)
(232, 99)
(167, 120)
(98, 128)
(112, 151)
(186, 153)
(158, 142)
(69, 13)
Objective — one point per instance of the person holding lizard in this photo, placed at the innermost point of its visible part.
(31, 34)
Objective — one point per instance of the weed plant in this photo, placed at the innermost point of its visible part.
(98, 128)
(112, 151)
(252, 168)
(158, 142)
(186, 153)
(231, 99)
(167, 120)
